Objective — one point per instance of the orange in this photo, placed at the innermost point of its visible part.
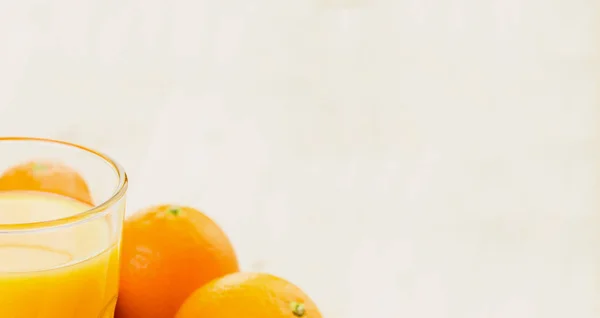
(46, 176)
(249, 295)
(167, 253)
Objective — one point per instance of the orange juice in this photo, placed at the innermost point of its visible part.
(65, 272)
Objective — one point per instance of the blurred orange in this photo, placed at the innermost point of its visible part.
(167, 253)
(249, 295)
(46, 176)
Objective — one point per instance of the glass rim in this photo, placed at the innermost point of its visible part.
(97, 209)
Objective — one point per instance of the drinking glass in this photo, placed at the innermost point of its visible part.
(59, 257)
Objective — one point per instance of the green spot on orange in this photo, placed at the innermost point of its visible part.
(174, 210)
(37, 167)
(297, 309)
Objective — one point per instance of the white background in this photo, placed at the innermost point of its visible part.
(409, 158)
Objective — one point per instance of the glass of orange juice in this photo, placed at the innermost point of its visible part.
(59, 253)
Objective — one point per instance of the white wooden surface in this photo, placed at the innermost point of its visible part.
(406, 158)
